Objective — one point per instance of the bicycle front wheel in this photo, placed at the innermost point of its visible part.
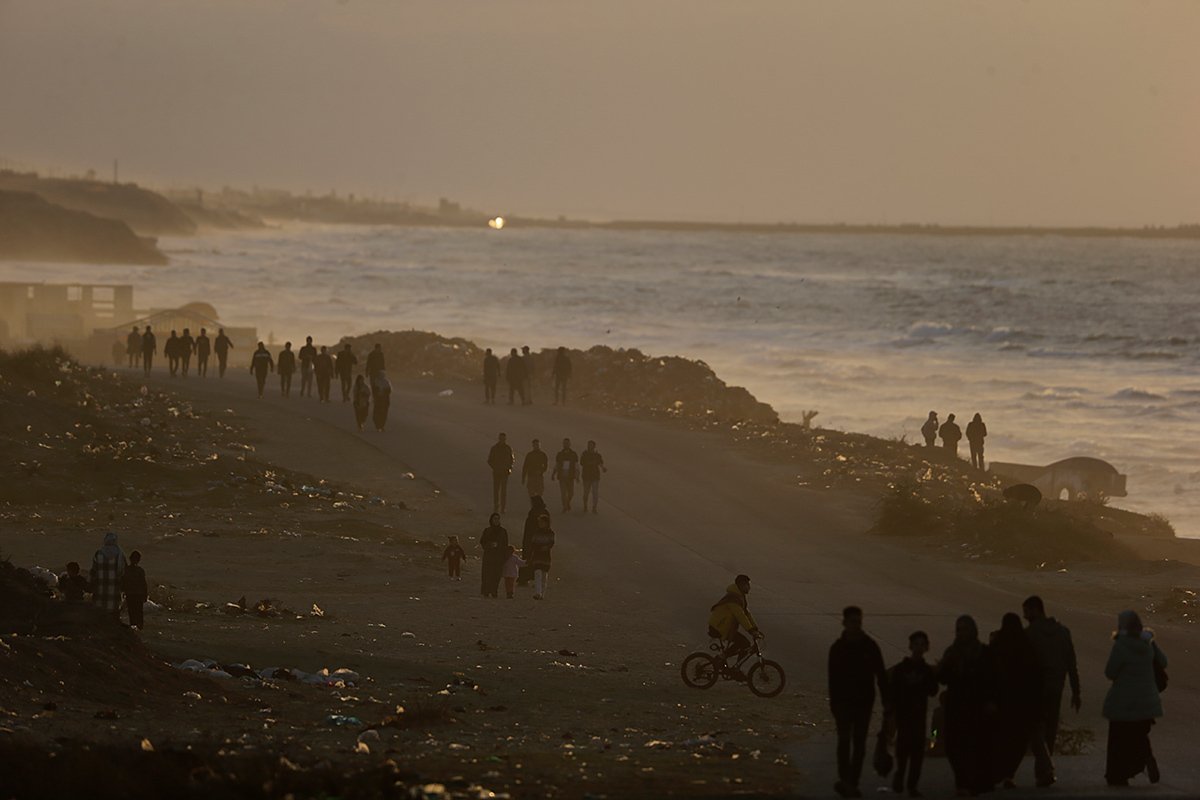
(699, 671)
(766, 678)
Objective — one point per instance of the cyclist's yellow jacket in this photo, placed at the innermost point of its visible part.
(730, 612)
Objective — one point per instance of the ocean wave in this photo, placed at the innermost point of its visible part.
(927, 330)
(1134, 393)
(1056, 393)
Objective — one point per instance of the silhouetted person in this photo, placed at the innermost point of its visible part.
(910, 685)
(951, 434)
(107, 574)
(133, 347)
(591, 464)
(203, 348)
(323, 372)
(970, 703)
(562, 374)
(539, 556)
(187, 346)
(136, 590)
(533, 470)
(494, 544)
(976, 433)
(149, 348)
(527, 365)
(491, 376)
(537, 509)
(500, 459)
(454, 555)
(285, 365)
(375, 361)
(221, 346)
(381, 396)
(73, 585)
(729, 616)
(1018, 690)
(346, 360)
(1051, 641)
(514, 374)
(308, 357)
(930, 429)
(261, 364)
(566, 472)
(1133, 701)
(855, 669)
(171, 351)
(362, 401)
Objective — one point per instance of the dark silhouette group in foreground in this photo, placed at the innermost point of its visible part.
(1001, 700)
(142, 346)
(501, 559)
(570, 468)
(951, 434)
(112, 578)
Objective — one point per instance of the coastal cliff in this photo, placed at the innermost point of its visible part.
(32, 228)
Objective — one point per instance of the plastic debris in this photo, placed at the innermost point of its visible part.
(342, 721)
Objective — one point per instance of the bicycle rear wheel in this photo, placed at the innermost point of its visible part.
(766, 678)
(699, 670)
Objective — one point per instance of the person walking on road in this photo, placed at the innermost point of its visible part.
(108, 575)
(527, 365)
(1051, 641)
(538, 556)
(514, 374)
(171, 351)
(491, 376)
(500, 459)
(1018, 691)
(261, 364)
(323, 372)
(967, 671)
(362, 401)
(930, 429)
(537, 509)
(591, 464)
(381, 396)
(133, 347)
(512, 568)
(565, 471)
(308, 356)
(149, 348)
(187, 346)
(910, 685)
(494, 544)
(221, 347)
(285, 365)
(345, 370)
(203, 348)
(976, 433)
(951, 434)
(375, 361)
(533, 470)
(1137, 668)
(562, 374)
(855, 669)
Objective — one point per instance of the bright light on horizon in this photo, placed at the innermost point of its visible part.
(496, 223)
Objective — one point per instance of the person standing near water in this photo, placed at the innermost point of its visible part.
(500, 459)
(203, 347)
(976, 433)
(345, 369)
(149, 348)
(491, 376)
(261, 364)
(533, 470)
(308, 355)
(221, 347)
(930, 430)
(494, 544)
(951, 434)
(286, 367)
(566, 465)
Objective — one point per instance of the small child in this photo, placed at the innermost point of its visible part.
(512, 568)
(913, 682)
(136, 592)
(73, 585)
(454, 555)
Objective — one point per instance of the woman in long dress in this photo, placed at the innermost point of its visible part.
(1133, 701)
(494, 544)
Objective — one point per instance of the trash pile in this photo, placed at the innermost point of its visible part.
(341, 678)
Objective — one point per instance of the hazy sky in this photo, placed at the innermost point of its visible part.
(1044, 112)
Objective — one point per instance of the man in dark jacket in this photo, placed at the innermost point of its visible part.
(308, 357)
(375, 363)
(562, 374)
(187, 346)
(514, 373)
(323, 371)
(491, 376)
(345, 370)
(951, 434)
(527, 385)
(500, 459)
(261, 364)
(533, 470)
(855, 669)
(221, 347)
(133, 346)
(911, 683)
(285, 365)
(976, 433)
(171, 351)
(149, 348)
(566, 472)
(203, 348)
(1056, 657)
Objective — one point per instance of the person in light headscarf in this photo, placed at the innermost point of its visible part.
(108, 573)
(1133, 701)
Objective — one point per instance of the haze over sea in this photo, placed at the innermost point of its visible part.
(1066, 346)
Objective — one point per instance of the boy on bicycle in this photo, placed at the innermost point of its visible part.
(730, 613)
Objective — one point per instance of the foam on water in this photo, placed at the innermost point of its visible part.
(1066, 346)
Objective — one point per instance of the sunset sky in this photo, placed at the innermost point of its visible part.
(1062, 112)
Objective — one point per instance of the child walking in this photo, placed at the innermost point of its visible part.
(136, 591)
(913, 682)
(512, 568)
(454, 555)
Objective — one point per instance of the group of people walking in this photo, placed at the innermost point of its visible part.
(951, 434)
(142, 346)
(1001, 700)
(518, 370)
(569, 469)
(501, 559)
(112, 576)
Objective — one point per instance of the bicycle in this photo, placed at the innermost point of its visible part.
(701, 670)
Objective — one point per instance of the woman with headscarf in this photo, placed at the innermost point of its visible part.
(537, 508)
(362, 401)
(1018, 684)
(108, 573)
(1133, 701)
(966, 670)
(494, 544)
(381, 396)
(538, 556)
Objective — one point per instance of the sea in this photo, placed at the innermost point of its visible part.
(1066, 346)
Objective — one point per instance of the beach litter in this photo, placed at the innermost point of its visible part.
(342, 721)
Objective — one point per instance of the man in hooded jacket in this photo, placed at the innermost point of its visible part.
(108, 573)
(729, 614)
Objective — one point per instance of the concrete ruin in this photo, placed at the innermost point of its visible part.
(1079, 477)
